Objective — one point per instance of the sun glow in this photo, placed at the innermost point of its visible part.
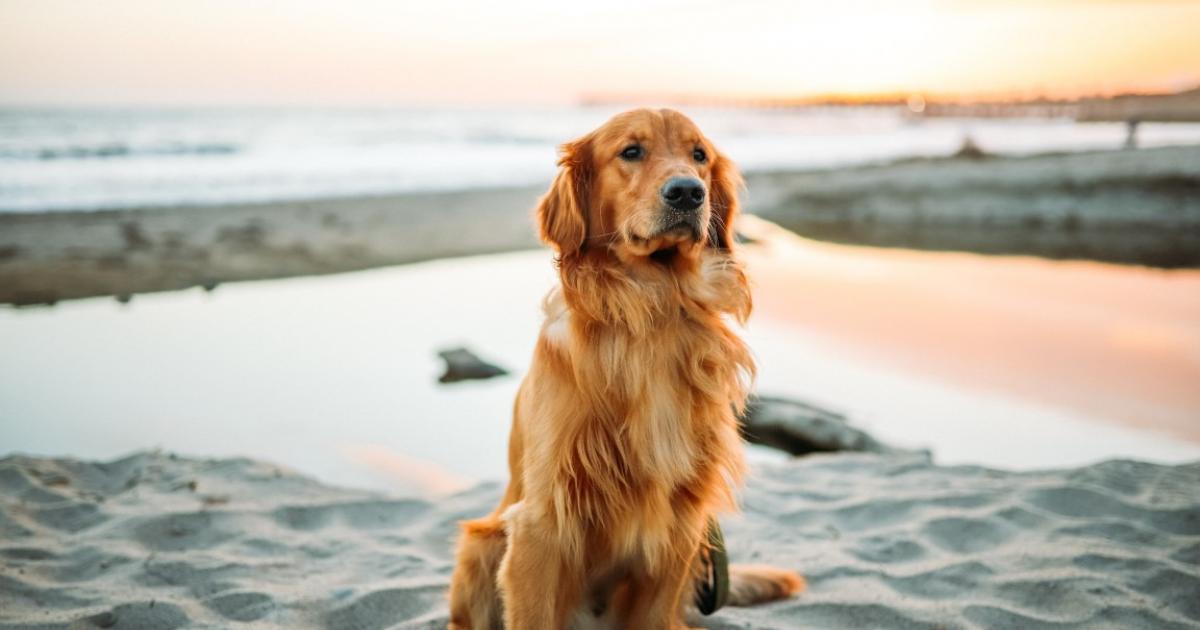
(377, 52)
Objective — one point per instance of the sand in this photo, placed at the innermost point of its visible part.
(887, 541)
(52, 256)
(1137, 207)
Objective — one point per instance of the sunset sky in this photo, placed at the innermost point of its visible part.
(380, 52)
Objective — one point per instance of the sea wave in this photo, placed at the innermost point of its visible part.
(109, 150)
(92, 159)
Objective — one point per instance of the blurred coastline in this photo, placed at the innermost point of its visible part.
(125, 201)
(1176, 106)
(86, 159)
(1136, 207)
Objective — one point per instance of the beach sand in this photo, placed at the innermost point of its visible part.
(1136, 207)
(51, 256)
(158, 541)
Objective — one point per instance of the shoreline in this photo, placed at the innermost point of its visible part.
(1041, 205)
(1139, 207)
(52, 256)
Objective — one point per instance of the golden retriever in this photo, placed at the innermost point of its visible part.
(625, 439)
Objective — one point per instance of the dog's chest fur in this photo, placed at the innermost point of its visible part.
(655, 438)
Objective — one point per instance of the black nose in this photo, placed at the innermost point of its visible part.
(683, 193)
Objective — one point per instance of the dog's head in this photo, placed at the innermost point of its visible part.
(647, 183)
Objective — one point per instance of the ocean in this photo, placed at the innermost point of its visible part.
(93, 159)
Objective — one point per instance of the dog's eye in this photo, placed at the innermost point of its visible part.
(699, 155)
(632, 152)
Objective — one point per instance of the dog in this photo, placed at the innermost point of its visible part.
(625, 441)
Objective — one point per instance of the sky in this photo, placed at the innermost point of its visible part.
(384, 52)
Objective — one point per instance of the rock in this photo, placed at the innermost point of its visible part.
(799, 428)
(463, 365)
(970, 150)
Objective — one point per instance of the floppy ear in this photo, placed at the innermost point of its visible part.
(726, 182)
(561, 216)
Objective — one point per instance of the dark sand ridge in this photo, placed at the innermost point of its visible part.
(1120, 206)
(1135, 207)
(62, 255)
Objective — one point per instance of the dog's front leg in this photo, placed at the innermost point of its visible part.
(538, 582)
(656, 594)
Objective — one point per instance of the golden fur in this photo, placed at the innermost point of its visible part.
(625, 436)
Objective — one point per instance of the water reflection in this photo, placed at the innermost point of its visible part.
(1007, 362)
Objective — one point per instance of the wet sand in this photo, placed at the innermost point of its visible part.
(53, 256)
(1138, 207)
(1135, 207)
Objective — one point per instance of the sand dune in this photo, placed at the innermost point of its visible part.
(157, 541)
